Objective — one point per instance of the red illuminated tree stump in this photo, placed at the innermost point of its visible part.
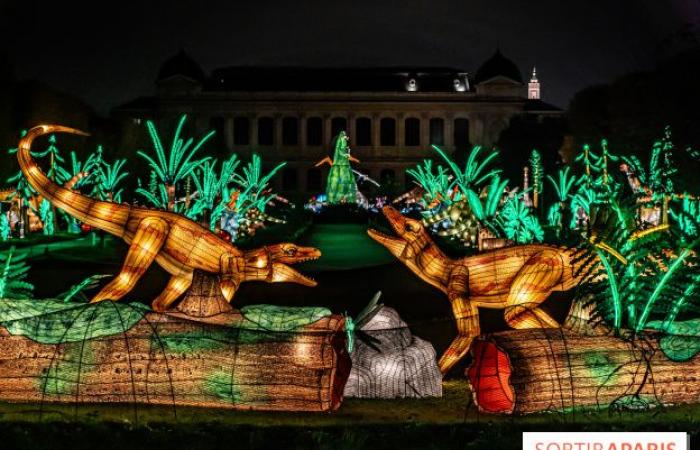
(526, 371)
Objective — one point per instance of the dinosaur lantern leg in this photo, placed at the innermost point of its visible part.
(467, 319)
(148, 240)
(177, 285)
(537, 278)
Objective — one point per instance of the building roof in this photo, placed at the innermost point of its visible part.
(498, 65)
(181, 65)
(340, 79)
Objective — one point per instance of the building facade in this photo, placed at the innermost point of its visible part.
(392, 115)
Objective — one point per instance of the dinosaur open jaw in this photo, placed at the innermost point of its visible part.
(393, 244)
(302, 255)
(282, 273)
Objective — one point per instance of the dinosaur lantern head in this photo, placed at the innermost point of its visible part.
(412, 236)
(270, 263)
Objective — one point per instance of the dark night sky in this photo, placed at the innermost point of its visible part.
(107, 55)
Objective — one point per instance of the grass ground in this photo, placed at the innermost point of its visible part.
(447, 422)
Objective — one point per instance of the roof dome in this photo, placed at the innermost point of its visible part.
(181, 64)
(498, 65)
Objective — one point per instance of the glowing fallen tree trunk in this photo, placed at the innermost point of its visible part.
(168, 359)
(526, 371)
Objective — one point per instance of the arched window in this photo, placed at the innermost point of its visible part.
(363, 131)
(412, 132)
(313, 180)
(290, 131)
(314, 131)
(387, 131)
(437, 131)
(289, 179)
(266, 131)
(338, 124)
(461, 133)
(241, 131)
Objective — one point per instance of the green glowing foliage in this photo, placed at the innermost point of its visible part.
(177, 164)
(474, 172)
(341, 186)
(643, 276)
(486, 212)
(435, 184)
(254, 189)
(106, 177)
(562, 186)
(47, 217)
(587, 158)
(13, 273)
(56, 171)
(687, 216)
(605, 181)
(5, 231)
(537, 172)
(518, 223)
(211, 188)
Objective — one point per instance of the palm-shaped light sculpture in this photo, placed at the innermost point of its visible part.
(175, 165)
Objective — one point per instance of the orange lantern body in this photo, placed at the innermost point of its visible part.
(517, 279)
(176, 243)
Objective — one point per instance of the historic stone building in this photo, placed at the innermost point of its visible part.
(392, 115)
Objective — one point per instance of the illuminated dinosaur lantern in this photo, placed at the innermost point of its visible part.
(177, 244)
(517, 279)
(340, 186)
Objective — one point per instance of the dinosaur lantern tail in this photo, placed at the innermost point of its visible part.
(110, 217)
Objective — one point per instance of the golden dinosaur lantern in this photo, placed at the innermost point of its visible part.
(517, 279)
(177, 244)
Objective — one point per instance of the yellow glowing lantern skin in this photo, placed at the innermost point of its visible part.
(517, 279)
(177, 244)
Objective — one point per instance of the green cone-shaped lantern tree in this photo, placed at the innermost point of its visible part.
(341, 186)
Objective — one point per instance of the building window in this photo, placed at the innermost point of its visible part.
(387, 131)
(266, 131)
(314, 131)
(412, 132)
(313, 180)
(338, 124)
(289, 179)
(363, 131)
(461, 133)
(437, 131)
(241, 131)
(290, 131)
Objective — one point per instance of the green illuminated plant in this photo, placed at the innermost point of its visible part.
(537, 172)
(5, 231)
(173, 167)
(435, 184)
(562, 187)
(13, 272)
(518, 223)
(474, 172)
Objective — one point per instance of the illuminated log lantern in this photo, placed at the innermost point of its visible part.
(271, 358)
(527, 371)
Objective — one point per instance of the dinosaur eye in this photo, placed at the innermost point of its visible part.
(291, 251)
